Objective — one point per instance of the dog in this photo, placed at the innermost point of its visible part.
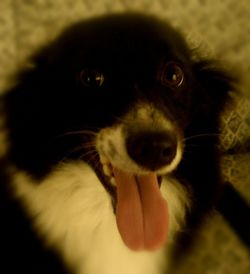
(112, 149)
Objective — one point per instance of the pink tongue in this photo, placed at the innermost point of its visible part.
(142, 213)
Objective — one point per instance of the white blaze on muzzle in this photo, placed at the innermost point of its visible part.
(141, 211)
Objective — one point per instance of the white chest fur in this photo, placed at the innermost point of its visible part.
(72, 212)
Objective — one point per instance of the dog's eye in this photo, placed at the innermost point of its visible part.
(91, 78)
(171, 75)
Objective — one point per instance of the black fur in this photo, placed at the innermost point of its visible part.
(49, 100)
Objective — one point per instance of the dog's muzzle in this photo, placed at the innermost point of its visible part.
(134, 154)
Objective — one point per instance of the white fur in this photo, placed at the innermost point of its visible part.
(143, 116)
(72, 212)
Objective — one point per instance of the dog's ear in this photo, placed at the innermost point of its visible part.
(214, 83)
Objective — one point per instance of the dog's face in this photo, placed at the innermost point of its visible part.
(122, 84)
(119, 92)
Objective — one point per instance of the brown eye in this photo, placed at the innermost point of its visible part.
(91, 78)
(171, 75)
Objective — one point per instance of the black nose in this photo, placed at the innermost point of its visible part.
(152, 150)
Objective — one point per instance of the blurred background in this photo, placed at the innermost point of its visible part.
(218, 28)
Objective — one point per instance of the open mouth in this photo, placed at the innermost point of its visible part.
(141, 211)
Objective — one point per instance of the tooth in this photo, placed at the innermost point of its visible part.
(112, 181)
(103, 159)
(107, 170)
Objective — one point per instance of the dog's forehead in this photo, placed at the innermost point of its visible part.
(125, 33)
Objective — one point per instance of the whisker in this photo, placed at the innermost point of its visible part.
(122, 120)
(93, 157)
(89, 147)
(91, 152)
(202, 135)
(88, 154)
(78, 132)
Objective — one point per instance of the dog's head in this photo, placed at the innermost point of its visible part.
(121, 92)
